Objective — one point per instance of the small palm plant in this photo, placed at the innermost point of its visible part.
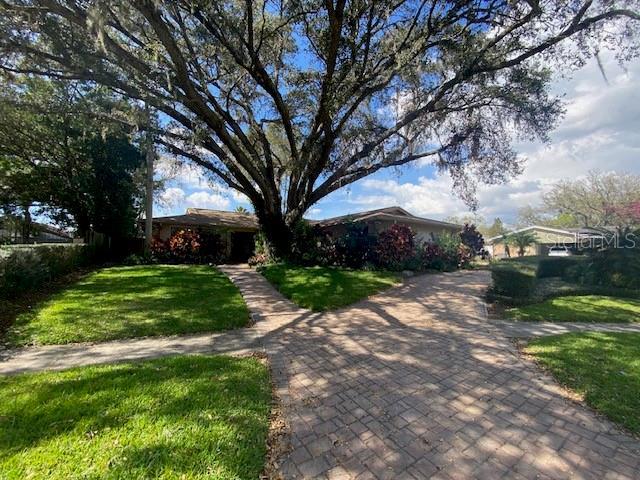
(520, 240)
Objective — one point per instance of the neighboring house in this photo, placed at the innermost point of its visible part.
(11, 231)
(426, 229)
(547, 237)
(238, 229)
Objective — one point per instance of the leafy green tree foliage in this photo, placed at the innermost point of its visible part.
(528, 216)
(598, 200)
(496, 229)
(289, 101)
(59, 156)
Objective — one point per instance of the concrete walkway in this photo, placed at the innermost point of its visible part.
(412, 383)
(269, 311)
(540, 329)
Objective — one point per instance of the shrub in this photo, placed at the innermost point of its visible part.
(431, 256)
(143, 259)
(258, 260)
(184, 245)
(311, 246)
(213, 247)
(451, 253)
(557, 266)
(355, 249)
(472, 238)
(514, 280)
(26, 268)
(465, 255)
(396, 247)
(615, 267)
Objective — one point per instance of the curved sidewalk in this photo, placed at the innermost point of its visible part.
(540, 329)
(268, 309)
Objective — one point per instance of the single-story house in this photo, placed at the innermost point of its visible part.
(426, 229)
(11, 231)
(238, 229)
(546, 237)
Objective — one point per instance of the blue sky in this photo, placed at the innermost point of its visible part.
(601, 130)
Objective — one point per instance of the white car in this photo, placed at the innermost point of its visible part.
(560, 252)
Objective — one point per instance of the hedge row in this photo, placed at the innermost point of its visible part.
(612, 272)
(514, 280)
(557, 266)
(25, 268)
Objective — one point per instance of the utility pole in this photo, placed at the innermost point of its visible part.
(150, 154)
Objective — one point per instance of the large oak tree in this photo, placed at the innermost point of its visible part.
(287, 101)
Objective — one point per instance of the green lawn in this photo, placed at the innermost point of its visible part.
(124, 302)
(179, 417)
(323, 288)
(587, 308)
(602, 367)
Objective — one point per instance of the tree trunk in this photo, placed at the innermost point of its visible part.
(278, 234)
(26, 224)
(148, 207)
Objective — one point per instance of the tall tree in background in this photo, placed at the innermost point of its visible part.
(598, 200)
(528, 216)
(496, 229)
(59, 156)
(287, 101)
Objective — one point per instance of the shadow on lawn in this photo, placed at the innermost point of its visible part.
(127, 302)
(584, 308)
(186, 415)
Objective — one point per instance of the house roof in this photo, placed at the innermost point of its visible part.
(45, 228)
(206, 217)
(570, 232)
(397, 214)
(53, 230)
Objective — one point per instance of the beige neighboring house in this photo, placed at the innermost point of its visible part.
(547, 237)
(426, 229)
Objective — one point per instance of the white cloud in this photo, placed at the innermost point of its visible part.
(171, 197)
(601, 130)
(211, 200)
(314, 213)
(184, 174)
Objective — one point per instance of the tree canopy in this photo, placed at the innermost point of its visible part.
(287, 101)
(598, 200)
(58, 156)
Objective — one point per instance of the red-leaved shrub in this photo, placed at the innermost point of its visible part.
(430, 256)
(395, 247)
(184, 245)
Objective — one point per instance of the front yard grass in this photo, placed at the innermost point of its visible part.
(179, 417)
(586, 308)
(325, 288)
(125, 302)
(604, 368)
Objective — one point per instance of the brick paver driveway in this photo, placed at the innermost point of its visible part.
(414, 383)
